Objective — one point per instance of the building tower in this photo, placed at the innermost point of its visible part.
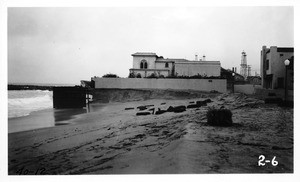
(249, 70)
(244, 65)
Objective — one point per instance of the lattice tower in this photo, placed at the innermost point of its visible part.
(244, 64)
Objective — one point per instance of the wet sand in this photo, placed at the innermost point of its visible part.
(48, 118)
(113, 140)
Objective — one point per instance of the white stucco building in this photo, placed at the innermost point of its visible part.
(273, 69)
(146, 63)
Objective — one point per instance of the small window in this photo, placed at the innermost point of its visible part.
(281, 55)
(167, 65)
(142, 65)
(145, 65)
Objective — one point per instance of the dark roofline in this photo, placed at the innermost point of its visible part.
(285, 49)
(281, 49)
(144, 54)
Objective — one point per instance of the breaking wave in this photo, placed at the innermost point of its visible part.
(22, 103)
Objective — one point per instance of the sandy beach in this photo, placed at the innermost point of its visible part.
(113, 140)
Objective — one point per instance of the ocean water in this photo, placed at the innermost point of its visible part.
(33, 109)
(23, 102)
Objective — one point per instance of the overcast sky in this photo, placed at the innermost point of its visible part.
(66, 45)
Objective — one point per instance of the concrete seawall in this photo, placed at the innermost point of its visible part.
(174, 84)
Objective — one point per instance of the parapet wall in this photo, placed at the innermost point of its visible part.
(174, 84)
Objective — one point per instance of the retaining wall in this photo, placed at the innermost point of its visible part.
(261, 92)
(246, 89)
(175, 84)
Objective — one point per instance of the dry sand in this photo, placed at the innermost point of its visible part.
(116, 141)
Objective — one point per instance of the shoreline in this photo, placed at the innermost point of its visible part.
(50, 117)
(116, 141)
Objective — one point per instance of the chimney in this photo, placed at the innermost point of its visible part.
(203, 58)
(196, 57)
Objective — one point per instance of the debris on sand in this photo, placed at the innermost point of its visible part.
(143, 113)
(141, 108)
(201, 103)
(219, 117)
(170, 109)
(179, 109)
(152, 109)
(176, 109)
(193, 106)
(207, 100)
(159, 111)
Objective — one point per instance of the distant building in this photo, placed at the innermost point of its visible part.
(227, 74)
(146, 64)
(238, 77)
(254, 80)
(273, 68)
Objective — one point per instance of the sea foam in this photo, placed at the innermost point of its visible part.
(22, 103)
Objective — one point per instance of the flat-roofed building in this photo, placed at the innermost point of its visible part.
(147, 63)
(273, 68)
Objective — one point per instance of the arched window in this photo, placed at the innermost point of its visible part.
(167, 65)
(143, 64)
